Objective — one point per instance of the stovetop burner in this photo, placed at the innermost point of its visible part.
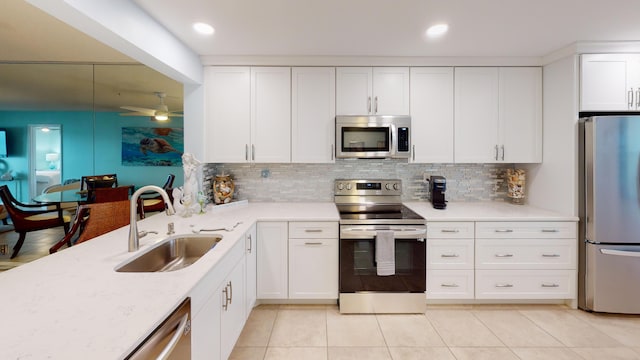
(373, 202)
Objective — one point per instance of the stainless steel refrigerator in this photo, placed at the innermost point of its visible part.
(609, 244)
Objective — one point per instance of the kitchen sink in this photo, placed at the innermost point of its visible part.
(173, 254)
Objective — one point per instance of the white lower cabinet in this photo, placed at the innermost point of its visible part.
(313, 260)
(218, 307)
(501, 260)
(251, 256)
(272, 266)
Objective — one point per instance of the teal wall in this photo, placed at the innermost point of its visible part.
(88, 147)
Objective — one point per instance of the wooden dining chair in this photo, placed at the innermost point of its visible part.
(100, 195)
(93, 220)
(156, 203)
(68, 206)
(31, 217)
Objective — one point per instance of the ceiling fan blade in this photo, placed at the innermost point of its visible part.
(174, 114)
(148, 112)
(135, 113)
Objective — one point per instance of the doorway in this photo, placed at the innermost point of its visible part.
(45, 157)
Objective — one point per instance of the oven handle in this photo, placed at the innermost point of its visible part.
(368, 233)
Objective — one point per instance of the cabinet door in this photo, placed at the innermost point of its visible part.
(228, 114)
(272, 260)
(354, 86)
(390, 91)
(313, 104)
(233, 309)
(476, 115)
(313, 265)
(520, 115)
(251, 264)
(432, 114)
(605, 82)
(271, 114)
(205, 329)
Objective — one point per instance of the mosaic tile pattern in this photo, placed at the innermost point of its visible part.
(314, 182)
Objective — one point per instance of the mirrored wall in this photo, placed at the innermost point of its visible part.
(86, 104)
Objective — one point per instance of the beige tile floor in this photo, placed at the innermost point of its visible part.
(308, 332)
(476, 332)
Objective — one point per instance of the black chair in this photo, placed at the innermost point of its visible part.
(31, 217)
(156, 203)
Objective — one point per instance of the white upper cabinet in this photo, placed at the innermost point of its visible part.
(248, 112)
(271, 114)
(610, 82)
(432, 114)
(372, 91)
(313, 104)
(498, 115)
(228, 114)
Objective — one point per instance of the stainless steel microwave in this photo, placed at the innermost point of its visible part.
(371, 137)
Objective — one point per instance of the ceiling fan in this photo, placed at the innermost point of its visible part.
(160, 112)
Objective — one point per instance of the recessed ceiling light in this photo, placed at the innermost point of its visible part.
(437, 30)
(203, 28)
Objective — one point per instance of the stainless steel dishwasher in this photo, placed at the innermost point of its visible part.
(171, 339)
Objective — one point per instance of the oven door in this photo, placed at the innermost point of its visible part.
(358, 271)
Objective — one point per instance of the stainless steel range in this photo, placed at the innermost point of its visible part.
(382, 249)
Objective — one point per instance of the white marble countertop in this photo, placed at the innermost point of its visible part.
(486, 211)
(73, 305)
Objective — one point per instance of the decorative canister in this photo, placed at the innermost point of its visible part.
(223, 188)
(516, 182)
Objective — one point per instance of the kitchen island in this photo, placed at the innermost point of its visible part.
(73, 304)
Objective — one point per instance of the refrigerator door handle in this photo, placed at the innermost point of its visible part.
(620, 253)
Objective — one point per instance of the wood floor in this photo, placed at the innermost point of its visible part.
(36, 245)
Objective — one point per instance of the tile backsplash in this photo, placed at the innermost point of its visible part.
(314, 182)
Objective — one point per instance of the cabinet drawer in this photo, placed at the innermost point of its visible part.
(450, 254)
(525, 284)
(525, 253)
(313, 230)
(524, 230)
(450, 230)
(449, 284)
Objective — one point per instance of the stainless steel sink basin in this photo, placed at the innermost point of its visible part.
(173, 254)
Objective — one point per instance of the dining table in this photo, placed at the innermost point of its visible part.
(61, 197)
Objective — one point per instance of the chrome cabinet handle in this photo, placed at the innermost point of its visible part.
(313, 243)
(414, 152)
(246, 152)
(449, 285)
(504, 285)
(504, 230)
(375, 111)
(550, 230)
(225, 292)
(369, 104)
(313, 230)
(449, 255)
(502, 147)
(638, 98)
(503, 255)
(230, 292)
(253, 152)
(450, 231)
(250, 248)
(183, 327)
(630, 98)
(549, 285)
(332, 152)
(551, 255)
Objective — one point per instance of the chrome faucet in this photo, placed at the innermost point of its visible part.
(134, 242)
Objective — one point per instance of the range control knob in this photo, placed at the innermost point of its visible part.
(348, 186)
(395, 186)
(387, 186)
(340, 186)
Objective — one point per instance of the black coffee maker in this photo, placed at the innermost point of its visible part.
(437, 187)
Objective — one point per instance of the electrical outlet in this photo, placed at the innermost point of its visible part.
(425, 177)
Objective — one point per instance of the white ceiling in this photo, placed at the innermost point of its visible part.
(495, 28)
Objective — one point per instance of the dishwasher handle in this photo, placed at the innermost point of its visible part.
(181, 329)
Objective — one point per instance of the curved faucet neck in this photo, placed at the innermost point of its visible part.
(134, 242)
